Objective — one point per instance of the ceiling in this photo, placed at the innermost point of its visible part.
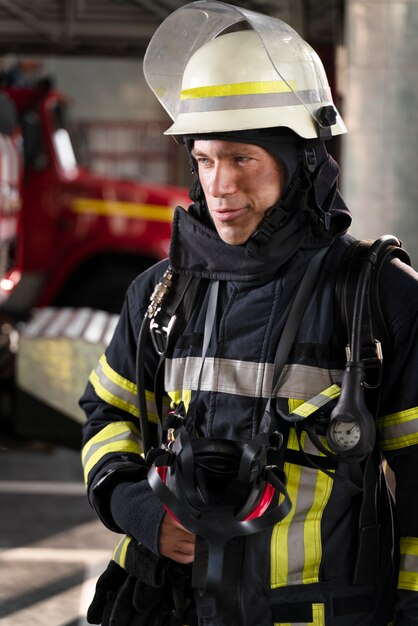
(124, 27)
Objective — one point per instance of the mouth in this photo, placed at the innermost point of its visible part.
(227, 215)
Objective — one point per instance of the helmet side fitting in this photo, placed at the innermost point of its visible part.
(232, 84)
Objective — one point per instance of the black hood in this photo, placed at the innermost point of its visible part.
(309, 214)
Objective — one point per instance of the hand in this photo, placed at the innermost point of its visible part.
(175, 542)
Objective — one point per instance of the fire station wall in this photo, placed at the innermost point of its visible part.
(121, 117)
(110, 88)
(379, 153)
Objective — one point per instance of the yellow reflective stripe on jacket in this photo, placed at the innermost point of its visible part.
(309, 407)
(185, 396)
(318, 614)
(399, 430)
(408, 566)
(246, 378)
(117, 437)
(119, 391)
(296, 548)
(114, 388)
(119, 553)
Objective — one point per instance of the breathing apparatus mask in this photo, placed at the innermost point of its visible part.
(220, 489)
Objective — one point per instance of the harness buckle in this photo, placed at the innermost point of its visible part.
(159, 333)
(373, 364)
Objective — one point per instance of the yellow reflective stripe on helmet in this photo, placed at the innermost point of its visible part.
(239, 89)
(408, 566)
(119, 391)
(310, 406)
(119, 553)
(296, 549)
(117, 437)
(399, 430)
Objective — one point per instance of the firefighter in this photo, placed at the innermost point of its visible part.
(246, 363)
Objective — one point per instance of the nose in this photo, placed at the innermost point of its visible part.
(223, 180)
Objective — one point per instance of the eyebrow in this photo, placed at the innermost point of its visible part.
(224, 153)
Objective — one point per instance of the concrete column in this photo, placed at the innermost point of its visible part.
(379, 156)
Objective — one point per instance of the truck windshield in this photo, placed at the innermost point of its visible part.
(63, 144)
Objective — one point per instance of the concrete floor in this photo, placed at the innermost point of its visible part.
(52, 547)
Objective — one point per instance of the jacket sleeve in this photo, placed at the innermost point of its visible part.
(398, 425)
(112, 455)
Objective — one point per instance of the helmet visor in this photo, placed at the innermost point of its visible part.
(301, 79)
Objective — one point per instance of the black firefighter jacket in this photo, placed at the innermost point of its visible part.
(302, 571)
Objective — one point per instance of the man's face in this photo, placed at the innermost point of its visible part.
(240, 182)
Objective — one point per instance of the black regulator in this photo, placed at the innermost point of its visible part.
(351, 432)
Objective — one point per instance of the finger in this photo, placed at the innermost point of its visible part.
(183, 553)
(175, 542)
(169, 520)
(180, 557)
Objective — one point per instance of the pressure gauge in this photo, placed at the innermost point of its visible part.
(343, 436)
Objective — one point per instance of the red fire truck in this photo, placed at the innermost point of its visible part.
(81, 239)
(10, 196)
(83, 236)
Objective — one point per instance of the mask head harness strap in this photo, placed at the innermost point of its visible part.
(201, 481)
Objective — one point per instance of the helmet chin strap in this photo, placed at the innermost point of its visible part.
(292, 201)
(300, 196)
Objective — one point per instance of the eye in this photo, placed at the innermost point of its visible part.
(242, 159)
(203, 161)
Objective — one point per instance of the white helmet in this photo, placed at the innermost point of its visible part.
(212, 81)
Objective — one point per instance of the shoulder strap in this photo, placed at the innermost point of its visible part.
(375, 334)
(170, 304)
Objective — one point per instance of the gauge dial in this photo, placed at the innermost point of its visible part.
(345, 435)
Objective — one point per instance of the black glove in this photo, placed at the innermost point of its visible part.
(107, 589)
(168, 605)
(123, 612)
(159, 593)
